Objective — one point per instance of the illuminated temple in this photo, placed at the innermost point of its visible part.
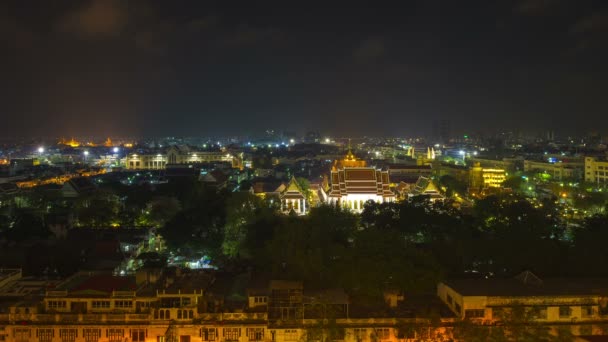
(353, 183)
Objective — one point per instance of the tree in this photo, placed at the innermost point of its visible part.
(452, 185)
(27, 225)
(162, 209)
(305, 186)
(240, 211)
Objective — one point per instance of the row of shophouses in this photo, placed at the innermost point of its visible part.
(94, 307)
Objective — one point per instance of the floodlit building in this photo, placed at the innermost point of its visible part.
(353, 183)
(426, 187)
(293, 198)
(178, 155)
(596, 171)
(482, 179)
(558, 170)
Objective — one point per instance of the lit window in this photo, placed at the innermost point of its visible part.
(100, 304)
(586, 311)
(91, 335)
(123, 304)
(45, 335)
(360, 334)
(68, 335)
(383, 333)
(232, 334)
(138, 335)
(115, 335)
(474, 313)
(290, 335)
(208, 334)
(255, 334)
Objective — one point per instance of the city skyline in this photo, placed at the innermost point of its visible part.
(147, 68)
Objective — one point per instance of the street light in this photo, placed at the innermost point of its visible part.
(463, 154)
(41, 150)
(115, 150)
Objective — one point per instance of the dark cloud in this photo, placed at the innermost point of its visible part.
(247, 35)
(205, 23)
(537, 7)
(195, 67)
(97, 18)
(369, 50)
(594, 23)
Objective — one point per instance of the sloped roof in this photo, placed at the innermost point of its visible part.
(360, 180)
(293, 190)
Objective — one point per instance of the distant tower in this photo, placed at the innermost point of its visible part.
(442, 130)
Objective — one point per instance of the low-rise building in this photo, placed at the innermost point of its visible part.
(156, 160)
(581, 303)
(596, 171)
(558, 170)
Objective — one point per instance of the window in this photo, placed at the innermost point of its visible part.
(22, 334)
(564, 311)
(184, 338)
(208, 334)
(56, 304)
(360, 334)
(232, 334)
(115, 335)
(123, 304)
(587, 311)
(179, 314)
(383, 333)
(449, 299)
(138, 335)
(290, 335)
(68, 335)
(260, 299)
(457, 307)
(474, 313)
(255, 334)
(100, 304)
(91, 335)
(585, 330)
(539, 312)
(337, 334)
(160, 338)
(45, 335)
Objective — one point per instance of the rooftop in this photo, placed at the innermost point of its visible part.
(527, 284)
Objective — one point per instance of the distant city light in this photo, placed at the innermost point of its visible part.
(86, 153)
(461, 153)
(40, 149)
(327, 140)
(115, 150)
(292, 141)
(475, 153)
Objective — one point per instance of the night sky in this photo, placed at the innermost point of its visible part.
(109, 68)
